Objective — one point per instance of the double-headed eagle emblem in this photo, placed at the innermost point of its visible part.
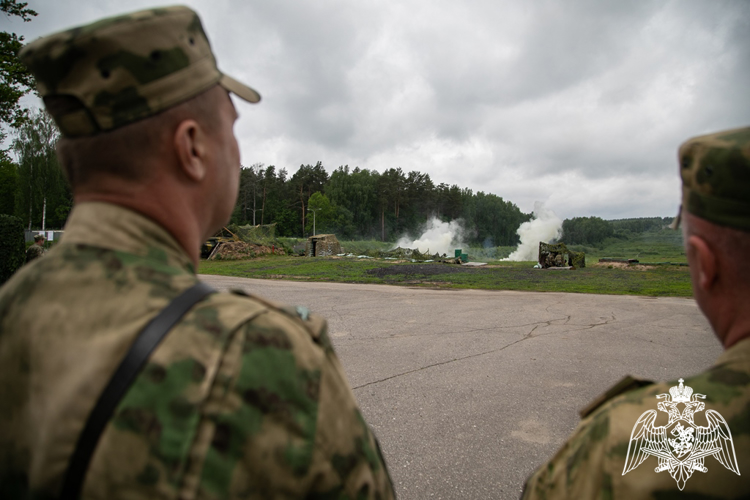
(690, 444)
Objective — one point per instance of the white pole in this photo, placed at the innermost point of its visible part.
(313, 210)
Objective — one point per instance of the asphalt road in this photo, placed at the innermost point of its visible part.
(469, 391)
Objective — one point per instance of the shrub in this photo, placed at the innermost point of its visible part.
(12, 246)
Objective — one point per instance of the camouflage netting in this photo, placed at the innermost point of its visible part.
(409, 253)
(244, 242)
(235, 250)
(404, 253)
(253, 234)
(558, 255)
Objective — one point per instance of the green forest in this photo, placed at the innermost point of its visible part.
(352, 203)
(366, 204)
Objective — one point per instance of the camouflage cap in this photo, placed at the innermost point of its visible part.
(715, 172)
(118, 70)
(39, 237)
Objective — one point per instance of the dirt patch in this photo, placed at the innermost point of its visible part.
(235, 250)
(623, 265)
(420, 270)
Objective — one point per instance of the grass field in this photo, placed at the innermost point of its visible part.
(663, 248)
(649, 247)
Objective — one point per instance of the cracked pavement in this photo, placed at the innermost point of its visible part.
(469, 391)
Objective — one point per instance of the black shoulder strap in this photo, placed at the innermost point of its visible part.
(118, 385)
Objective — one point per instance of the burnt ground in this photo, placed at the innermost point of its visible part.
(421, 270)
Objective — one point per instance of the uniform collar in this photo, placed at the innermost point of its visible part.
(114, 227)
(738, 353)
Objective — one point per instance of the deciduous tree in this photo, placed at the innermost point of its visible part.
(8, 185)
(586, 230)
(306, 181)
(42, 191)
(15, 79)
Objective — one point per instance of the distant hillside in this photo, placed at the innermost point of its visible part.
(640, 224)
(594, 230)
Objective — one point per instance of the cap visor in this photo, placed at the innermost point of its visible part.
(676, 222)
(239, 89)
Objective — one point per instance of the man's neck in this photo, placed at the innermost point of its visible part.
(172, 212)
(738, 332)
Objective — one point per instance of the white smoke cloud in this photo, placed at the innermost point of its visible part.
(545, 226)
(437, 237)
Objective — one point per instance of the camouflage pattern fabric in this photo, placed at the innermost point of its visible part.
(34, 252)
(125, 68)
(243, 399)
(590, 464)
(715, 172)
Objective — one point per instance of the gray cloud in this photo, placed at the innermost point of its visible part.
(580, 103)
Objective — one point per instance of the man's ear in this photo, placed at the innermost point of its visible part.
(190, 146)
(705, 259)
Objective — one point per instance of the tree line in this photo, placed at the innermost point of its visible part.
(366, 204)
(594, 230)
(352, 203)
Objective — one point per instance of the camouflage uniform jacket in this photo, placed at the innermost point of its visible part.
(243, 399)
(591, 463)
(33, 252)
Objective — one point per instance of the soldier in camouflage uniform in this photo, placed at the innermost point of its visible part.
(605, 457)
(243, 398)
(36, 250)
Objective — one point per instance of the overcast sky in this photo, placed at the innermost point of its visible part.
(580, 104)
